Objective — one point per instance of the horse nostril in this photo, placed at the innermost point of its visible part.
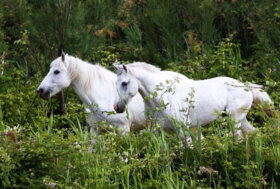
(119, 107)
(40, 91)
(116, 108)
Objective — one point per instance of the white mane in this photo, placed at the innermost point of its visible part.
(86, 74)
(96, 87)
(133, 67)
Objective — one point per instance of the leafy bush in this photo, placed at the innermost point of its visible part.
(145, 159)
(201, 39)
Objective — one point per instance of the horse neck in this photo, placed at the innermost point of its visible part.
(147, 81)
(91, 81)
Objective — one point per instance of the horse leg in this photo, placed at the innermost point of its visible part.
(93, 128)
(238, 112)
(120, 122)
(247, 127)
(124, 128)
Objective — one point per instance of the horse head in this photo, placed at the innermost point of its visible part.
(127, 87)
(57, 79)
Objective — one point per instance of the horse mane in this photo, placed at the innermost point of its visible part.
(142, 65)
(85, 73)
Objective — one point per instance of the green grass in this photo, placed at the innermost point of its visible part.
(40, 149)
(200, 39)
(150, 158)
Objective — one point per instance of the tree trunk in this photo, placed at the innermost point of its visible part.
(62, 105)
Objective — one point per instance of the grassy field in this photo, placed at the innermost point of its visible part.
(151, 158)
(39, 148)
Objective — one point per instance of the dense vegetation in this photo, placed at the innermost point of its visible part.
(41, 149)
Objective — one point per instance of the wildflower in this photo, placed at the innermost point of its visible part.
(50, 185)
(70, 166)
(77, 145)
(19, 142)
(206, 170)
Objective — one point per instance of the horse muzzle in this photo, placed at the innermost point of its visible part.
(119, 107)
(44, 94)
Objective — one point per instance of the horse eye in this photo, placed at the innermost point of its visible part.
(56, 72)
(124, 84)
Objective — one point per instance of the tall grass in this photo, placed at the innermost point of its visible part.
(150, 158)
(201, 39)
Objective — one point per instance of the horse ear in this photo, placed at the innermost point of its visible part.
(118, 67)
(62, 56)
(124, 68)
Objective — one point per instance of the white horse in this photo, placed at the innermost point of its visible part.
(96, 87)
(189, 101)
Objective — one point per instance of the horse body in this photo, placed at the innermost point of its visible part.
(96, 88)
(189, 101)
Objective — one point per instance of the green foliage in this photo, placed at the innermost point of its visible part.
(148, 30)
(146, 159)
(200, 39)
(41, 149)
(224, 60)
(16, 93)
